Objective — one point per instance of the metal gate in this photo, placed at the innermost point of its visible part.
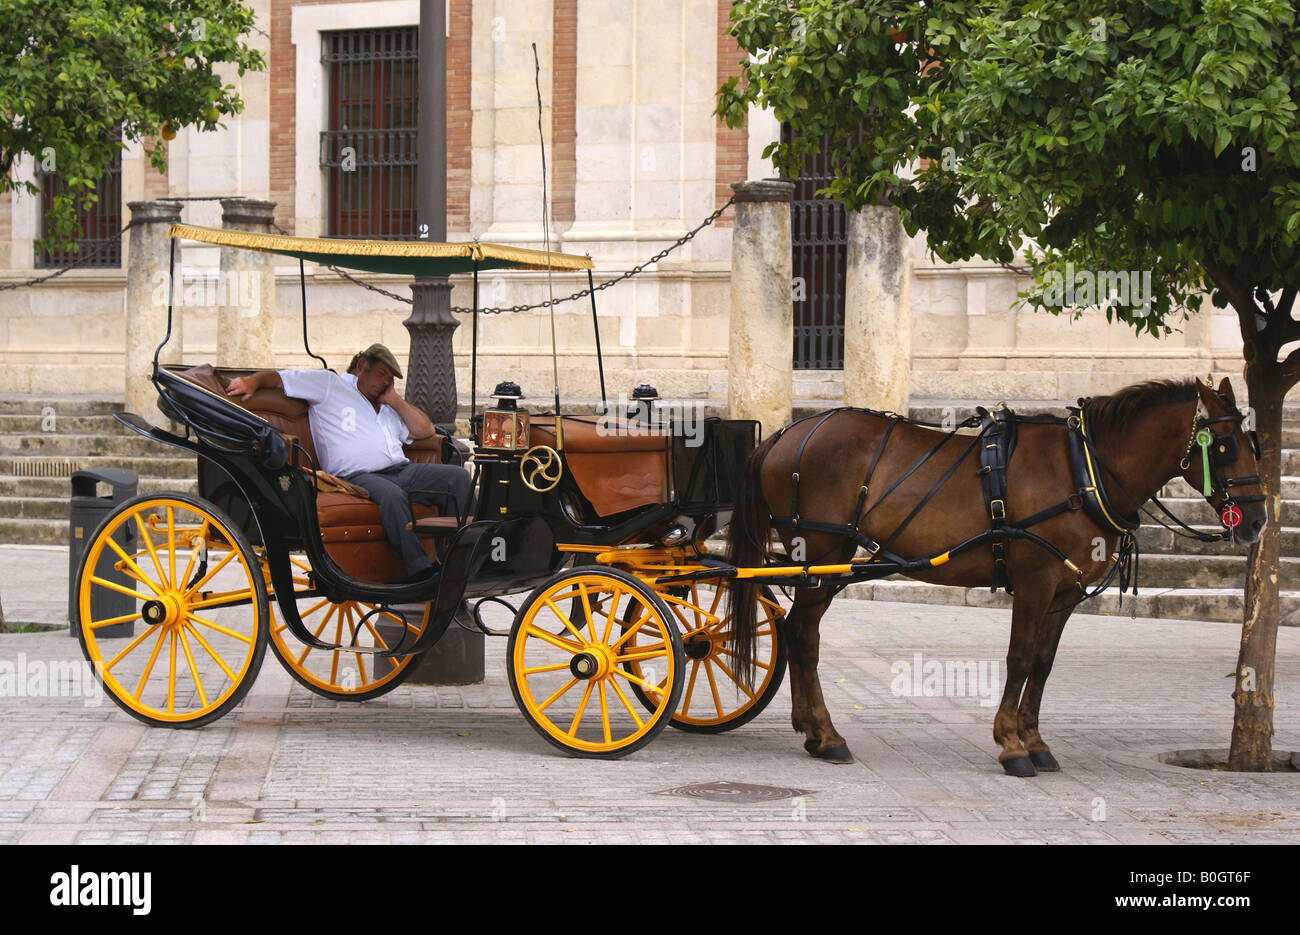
(820, 245)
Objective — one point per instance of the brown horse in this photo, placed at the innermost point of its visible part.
(1127, 446)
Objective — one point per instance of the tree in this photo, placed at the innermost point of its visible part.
(74, 71)
(1157, 136)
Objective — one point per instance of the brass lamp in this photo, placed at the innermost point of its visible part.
(505, 425)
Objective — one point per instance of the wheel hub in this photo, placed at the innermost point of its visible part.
(592, 663)
(696, 648)
(167, 611)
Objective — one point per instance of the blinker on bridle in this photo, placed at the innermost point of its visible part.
(1219, 451)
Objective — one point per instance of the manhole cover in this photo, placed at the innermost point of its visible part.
(724, 791)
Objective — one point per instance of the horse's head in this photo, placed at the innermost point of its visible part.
(1222, 462)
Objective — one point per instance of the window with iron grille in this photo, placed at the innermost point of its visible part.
(98, 224)
(820, 245)
(369, 151)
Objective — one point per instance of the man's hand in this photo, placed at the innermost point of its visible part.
(390, 398)
(245, 387)
(417, 423)
(240, 386)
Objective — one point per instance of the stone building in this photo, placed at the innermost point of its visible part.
(636, 160)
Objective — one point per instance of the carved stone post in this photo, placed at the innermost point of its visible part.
(246, 290)
(877, 314)
(760, 363)
(147, 287)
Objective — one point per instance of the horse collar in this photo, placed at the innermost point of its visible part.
(1088, 479)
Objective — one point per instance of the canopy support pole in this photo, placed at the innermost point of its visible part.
(302, 282)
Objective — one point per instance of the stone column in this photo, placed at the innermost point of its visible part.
(877, 316)
(760, 362)
(146, 304)
(246, 290)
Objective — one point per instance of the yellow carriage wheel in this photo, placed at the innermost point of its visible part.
(340, 674)
(189, 584)
(574, 673)
(714, 699)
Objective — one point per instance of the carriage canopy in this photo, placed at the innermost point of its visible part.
(402, 257)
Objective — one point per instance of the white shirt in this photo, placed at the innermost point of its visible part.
(350, 436)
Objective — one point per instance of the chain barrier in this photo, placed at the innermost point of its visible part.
(681, 242)
(91, 254)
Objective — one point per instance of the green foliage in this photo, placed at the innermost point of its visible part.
(1112, 135)
(72, 71)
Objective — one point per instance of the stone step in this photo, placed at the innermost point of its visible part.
(52, 508)
(33, 531)
(1198, 512)
(156, 464)
(1221, 604)
(78, 445)
(1209, 571)
(61, 487)
(18, 403)
(1154, 539)
(58, 423)
(1179, 489)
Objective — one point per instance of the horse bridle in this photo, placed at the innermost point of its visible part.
(1218, 451)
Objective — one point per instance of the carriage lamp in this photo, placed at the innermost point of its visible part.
(642, 408)
(505, 425)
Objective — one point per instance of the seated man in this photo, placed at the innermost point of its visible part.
(359, 425)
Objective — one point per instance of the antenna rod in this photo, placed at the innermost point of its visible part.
(546, 236)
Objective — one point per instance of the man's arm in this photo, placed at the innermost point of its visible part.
(245, 387)
(417, 423)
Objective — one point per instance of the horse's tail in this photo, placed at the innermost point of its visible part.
(747, 536)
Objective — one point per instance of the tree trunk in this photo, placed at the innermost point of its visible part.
(1252, 722)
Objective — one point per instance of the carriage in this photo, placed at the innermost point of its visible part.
(629, 622)
(178, 595)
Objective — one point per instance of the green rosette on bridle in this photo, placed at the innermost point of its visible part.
(1205, 439)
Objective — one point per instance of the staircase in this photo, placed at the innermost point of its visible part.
(42, 441)
(1178, 579)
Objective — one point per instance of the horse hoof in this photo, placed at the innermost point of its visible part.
(1019, 766)
(836, 754)
(1044, 760)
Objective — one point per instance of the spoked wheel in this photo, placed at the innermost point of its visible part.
(195, 596)
(713, 697)
(573, 673)
(339, 674)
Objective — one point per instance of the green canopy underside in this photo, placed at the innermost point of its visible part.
(400, 257)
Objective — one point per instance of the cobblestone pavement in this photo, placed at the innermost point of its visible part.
(459, 764)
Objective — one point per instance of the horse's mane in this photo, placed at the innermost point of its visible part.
(1112, 413)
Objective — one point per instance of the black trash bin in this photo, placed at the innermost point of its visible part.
(86, 512)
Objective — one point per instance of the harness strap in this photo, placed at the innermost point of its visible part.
(998, 435)
(908, 473)
(933, 490)
(871, 470)
(798, 460)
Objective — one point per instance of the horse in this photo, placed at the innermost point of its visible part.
(1064, 520)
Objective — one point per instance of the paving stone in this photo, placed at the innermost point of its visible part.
(459, 765)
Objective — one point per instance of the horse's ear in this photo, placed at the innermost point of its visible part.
(1225, 390)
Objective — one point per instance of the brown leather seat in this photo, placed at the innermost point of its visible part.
(618, 466)
(350, 527)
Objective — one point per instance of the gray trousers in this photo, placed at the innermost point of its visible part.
(395, 488)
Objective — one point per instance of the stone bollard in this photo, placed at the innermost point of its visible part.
(246, 290)
(761, 349)
(147, 288)
(877, 315)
